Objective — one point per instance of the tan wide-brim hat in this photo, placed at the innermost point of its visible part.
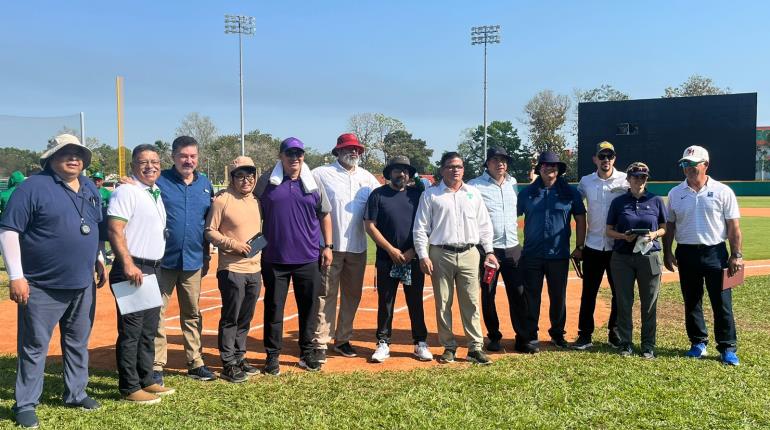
(60, 142)
(243, 162)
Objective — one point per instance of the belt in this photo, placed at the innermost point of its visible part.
(145, 262)
(697, 246)
(456, 248)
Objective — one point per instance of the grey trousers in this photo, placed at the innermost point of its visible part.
(73, 310)
(644, 270)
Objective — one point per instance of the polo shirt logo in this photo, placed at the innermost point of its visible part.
(710, 194)
(470, 196)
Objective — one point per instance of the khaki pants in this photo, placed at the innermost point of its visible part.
(190, 319)
(345, 276)
(457, 270)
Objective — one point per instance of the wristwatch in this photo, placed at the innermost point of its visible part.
(330, 246)
(737, 254)
(579, 247)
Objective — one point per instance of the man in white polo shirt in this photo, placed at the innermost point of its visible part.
(137, 225)
(598, 189)
(702, 213)
(348, 187)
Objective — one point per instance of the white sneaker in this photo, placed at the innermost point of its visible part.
(422, 352)
(382, 353)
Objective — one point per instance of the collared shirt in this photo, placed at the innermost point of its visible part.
(291, 220)
(347, 192)
(627, 212)
(47, 214)
(186, 208)
(547, 213)
(500, 201)
(145, 218)
(599, 193)
(445, 217)
(701, 216)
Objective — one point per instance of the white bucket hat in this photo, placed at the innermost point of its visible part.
(60, 142)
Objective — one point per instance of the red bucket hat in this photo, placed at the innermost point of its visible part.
(346, 140)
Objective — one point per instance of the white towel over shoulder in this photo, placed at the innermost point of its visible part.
(308, 182)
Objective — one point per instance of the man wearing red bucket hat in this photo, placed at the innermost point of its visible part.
(348, 186)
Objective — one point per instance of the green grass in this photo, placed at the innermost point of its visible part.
(754, 202)
(756, 237)
(552, 390)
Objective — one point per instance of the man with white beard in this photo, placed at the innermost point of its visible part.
(348, 187)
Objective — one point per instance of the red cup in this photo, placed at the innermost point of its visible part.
(489, 273)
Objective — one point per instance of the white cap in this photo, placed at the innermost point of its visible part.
(695, 153)
(60, 142)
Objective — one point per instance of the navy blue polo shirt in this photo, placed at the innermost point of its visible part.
(547, 213)
(46, 214)
(186, 209)
(627, 212)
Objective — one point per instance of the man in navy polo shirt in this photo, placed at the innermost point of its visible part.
(49, 239)
(187, 197)
(548, 204)
(295, 214)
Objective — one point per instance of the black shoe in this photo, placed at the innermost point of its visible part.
(233, 373)
(346, 349)
(27, 419)
(494, 346)
(582, 343)
(527, 348)
(201, 374)
(272, 365)
(614, 342)
(309, 363)
(247, 368)
(320, 355)
(560, 343)
(479, 357)
(626, 351)
(157, 377)
(447, 357)
(87, 404)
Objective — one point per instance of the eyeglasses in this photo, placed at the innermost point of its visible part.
(249, 178)
(688, 163)
(605, 156)
(147, 163)
(294, 153)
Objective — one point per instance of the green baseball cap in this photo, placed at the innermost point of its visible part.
(97, 175)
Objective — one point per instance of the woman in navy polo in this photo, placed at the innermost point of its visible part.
(636, 221)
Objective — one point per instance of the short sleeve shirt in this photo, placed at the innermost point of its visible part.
(701, 217)
(145, 218)
(598, 194)
(393, 213)
(547, 213)
(47, 215)
(627, 212)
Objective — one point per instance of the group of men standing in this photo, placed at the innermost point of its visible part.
(308, 228)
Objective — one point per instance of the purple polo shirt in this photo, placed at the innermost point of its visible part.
(290, 220)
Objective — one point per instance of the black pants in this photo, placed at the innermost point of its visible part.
(239, 298)
(595, 263)
(387, 288)
(135, 347)
(306, 280)
(514, 290)
(555, 272)
(696, 265)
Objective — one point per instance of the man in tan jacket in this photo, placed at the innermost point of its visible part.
(234, 219)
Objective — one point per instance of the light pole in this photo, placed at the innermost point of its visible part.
(484, 35)
(241, 25)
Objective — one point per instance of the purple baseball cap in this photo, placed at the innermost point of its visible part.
(291, 143)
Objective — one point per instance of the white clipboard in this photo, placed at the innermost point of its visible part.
(131, 298)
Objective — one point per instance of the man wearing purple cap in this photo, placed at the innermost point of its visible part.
(348, 187)
(294, 211)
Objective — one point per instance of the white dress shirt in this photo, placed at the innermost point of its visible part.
(348, 192)
(599, 193)
(500, 201)
(700, 217)
(445, 217)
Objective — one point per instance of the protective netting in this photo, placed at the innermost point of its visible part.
(33, 133)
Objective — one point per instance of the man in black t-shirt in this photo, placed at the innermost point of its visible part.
(388, 219)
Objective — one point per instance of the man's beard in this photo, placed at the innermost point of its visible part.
(398, 182)
(349, 160)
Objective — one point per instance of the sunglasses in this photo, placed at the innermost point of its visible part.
(687, 163)
(605, 156)
(294, 153)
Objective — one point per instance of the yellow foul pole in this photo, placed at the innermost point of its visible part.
(121, 147)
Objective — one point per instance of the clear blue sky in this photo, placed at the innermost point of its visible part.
(311, 65)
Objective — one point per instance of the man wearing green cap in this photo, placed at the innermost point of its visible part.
(98, 178)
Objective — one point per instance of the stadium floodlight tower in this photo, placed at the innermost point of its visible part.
(241, 25)
(485, 35)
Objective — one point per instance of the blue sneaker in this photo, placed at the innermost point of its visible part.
(730, 358)
(698, 350)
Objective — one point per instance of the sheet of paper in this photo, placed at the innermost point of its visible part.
(133, 298)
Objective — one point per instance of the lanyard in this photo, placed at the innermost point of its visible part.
(84, 228)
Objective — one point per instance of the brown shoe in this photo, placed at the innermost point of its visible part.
(159, 390)
(142, 397)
